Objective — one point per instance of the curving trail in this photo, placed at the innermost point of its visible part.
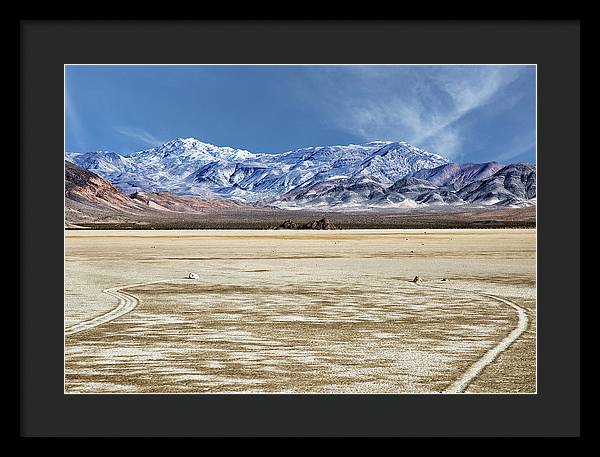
(127, 303)
(460, 384)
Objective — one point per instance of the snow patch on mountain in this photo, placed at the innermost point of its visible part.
(378, 174)
(189, 166)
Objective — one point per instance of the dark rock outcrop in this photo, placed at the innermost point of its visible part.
(288, 225)
(320, 224)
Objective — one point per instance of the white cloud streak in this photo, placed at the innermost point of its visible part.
(519, 147)
(73, 123)
(141, 135)
(421, 105)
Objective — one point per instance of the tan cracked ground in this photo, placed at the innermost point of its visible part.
(306, 312)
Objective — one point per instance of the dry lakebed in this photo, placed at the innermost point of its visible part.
(286, 311)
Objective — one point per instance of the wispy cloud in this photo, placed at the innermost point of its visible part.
(73, 122)
(141, 135)
(422, 105)
(521, 146)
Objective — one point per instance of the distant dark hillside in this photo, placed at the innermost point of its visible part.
(471, 185)
(89, 199)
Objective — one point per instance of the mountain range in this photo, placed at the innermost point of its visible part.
(379, 174)
(90, 198)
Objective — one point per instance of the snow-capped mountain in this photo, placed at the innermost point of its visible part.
(453, 184)
(513, 185)
(379, 174)
(169, 167)
(189, 166)
(90, 198)
(396, 160)
(458, 174)
(355, 192)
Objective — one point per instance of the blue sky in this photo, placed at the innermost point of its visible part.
(466, 113)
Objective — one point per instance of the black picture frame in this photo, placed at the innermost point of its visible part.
(46, 46)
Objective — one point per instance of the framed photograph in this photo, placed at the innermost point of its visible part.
(302, 232)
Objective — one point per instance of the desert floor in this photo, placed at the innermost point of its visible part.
(300, 311)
